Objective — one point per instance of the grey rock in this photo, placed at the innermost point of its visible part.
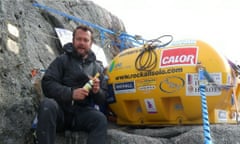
(120, 137)
(28, 41)
(220, 134)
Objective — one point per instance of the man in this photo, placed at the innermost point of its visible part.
(67, 104)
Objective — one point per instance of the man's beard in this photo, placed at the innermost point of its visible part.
(83, 54)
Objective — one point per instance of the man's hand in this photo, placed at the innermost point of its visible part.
(80, 94)
(96, 85)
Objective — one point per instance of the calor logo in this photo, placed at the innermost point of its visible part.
(179, 56)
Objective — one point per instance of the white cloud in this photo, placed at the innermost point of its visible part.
(213, 21)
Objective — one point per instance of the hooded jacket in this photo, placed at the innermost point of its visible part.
(68, 72)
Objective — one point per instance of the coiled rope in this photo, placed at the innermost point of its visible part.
(147, 59)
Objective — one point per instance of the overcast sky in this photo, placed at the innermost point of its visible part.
(213, 21)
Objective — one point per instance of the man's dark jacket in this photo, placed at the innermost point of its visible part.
(68, 72)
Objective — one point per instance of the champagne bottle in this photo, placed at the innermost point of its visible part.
(89, 84)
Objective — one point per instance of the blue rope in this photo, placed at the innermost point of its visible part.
(72, 17)
(124, 37)
(206, 126)
(102, 35)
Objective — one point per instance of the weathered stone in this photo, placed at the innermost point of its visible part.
(28, 41)
(120, 137)
(220, 134)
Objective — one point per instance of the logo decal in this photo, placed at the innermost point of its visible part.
(178, 56)
(125, 87)
(111, 66)
(150, 105)
(171, 84)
